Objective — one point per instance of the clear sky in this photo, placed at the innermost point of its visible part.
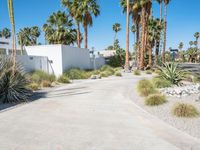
(183, 20)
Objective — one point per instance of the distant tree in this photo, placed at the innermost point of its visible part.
(191, 43)
(6, 33)
(59, 29)
(28, 36)
(196, 35)
(116, 29)
(180, 46)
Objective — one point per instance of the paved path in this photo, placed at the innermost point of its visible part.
(90, 115)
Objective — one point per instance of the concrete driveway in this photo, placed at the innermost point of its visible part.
(89, 115)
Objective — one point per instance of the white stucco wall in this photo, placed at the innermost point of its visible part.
(73, 57)
(52, 52)
(32, 63)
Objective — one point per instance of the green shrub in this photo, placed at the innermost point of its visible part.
(104, 74)
(34, 86)
(157, 71)
(13, 83)
(160, 83)
(171, 73)
(76, 74)
(137, 72)
(63, 79)
(185, 110)
(107, 69)
(155, 99)
(117, 69)
(148, 72)
(118, 74)
(197, 79)
(38, 76)
(145, 87)
(46, 83)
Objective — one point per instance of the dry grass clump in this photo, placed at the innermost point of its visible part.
(118, 74)
(148, 72)
(155, 100)
(185, 110)
(145, 87)
(34, 86)
(63, 79)
(160, 83)
(46, 83)
(137, 72)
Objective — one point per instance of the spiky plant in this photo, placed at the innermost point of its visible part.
(170, 72)
(13, 85)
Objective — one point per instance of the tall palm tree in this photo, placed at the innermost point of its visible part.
(76, 14)
(12, 21)
(180, 46)
(116, 29)
(160, 2)
(191, 43)
(166, 2)
(127, 36)
(196, 35)
(6, 33)
(88, 8)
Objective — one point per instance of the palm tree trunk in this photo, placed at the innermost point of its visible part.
(86, 36)
(161, 12)
(78, 35)
(143, 40)
(165, 33)
(150, 56)
(127, 37)
(138, 44)
(12, 21)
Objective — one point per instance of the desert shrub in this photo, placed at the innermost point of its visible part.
(160, 83)
(148, 72)
(185, 110)
(76, 74)
(118, 74)
(117, 69)
(46, 83)
(38, 76)
(145, 87)
(108, 69)
(63, 79)
(137, 72)
(96, 72)
(104, 74)
(155, 99)
(13, 83)
(34, 86)
(196, 79)
(157, 71)
(170, 72)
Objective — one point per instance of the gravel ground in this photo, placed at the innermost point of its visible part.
(188, 125)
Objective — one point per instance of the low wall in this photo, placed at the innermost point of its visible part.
(96, 63)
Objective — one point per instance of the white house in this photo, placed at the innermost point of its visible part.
(62, 57)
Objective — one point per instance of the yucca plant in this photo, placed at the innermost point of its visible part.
(171, 73)
(13, 85)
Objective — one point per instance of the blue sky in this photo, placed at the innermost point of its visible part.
(183, 20)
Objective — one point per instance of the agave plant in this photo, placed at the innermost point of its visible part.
(13, 85)
(171, 73)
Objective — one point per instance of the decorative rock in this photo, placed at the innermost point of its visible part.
(95, 77)
(179, 91)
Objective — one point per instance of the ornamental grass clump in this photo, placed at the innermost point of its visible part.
(38, 76)
(145, 88)
(110, 71)
(76, 74)
(185, 110)
(155, 99)
(137, 72)
(63, 79)
(148, 72)
(160, 83)
(13, 83)
(118, 74)
(34, 86)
